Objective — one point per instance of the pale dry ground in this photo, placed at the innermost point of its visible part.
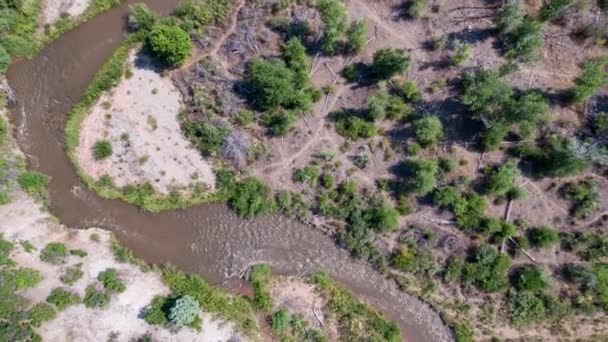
(23, 220)
(53, 9)
(299, 297)
(139, 117)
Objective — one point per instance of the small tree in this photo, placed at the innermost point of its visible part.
(389, 62)
(423, 175)
(511, 17)
(170, 44)
(294, 54)
(592, 77)
(530, 278)
(486, 94)
(272, 83)
(335, 20)
(501, 180)
(542, 237)
(252, 198)
(184, 311)
(356, 36)
(429, 130)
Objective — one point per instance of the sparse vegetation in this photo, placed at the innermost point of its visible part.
(54, 253)
(62, 298)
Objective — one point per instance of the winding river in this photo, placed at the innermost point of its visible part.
(209, 240)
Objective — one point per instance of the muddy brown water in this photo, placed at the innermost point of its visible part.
(209, 240)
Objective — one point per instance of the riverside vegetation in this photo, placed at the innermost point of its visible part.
(395, 185)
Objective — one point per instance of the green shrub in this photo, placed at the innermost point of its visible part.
(5, 59)
(102, 149)
(260, 276)
(335, 20)
(423, 175)
(211, 300)
(94, 298)
(195, 15)
(54, 253)
(413, 259)
(34, 183)
(294, 55)
(207, 137)
(416, 8)
(71, 275)
(78, 252)
(486, 269)
(25, 278)
(530, 278)
(389, 62)
(542, 237)
(555, 157)
(382, 217)
(62, 298)
(584, 197)
(353, 126)
(486, 94)
(525, 308)
(409, 90)
(501, 180)
(252, 198)
(553, 9)
(429, 130)
(593, 76)
(244, 118)
(462, 53)
(280, 320)
(141, 17)
(184, 311)
(40, 313)
(463, 332)
(492, 137)
(370, 325)
(525, 42)
(111, 281)
(156, 313)
(356, 36)
(377, 104)
(511, 17)
(468, 208)
(170, 44)
(309, 174)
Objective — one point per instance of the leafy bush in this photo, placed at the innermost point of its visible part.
(141, 17)
(389, 62)
(195, 15)
(207, 137)
(542, 237)
(211, 300)
(54, 253)
(184, 311)
(102, 149)
(553, 9)
(411, 258)
(170, 44)
(423, 175)
(525, 308)
(462, 53)
(486, 94)
(5, 59)
(584, 197)
(111, 282)
(525, 42)
(530, 278)
(25, 278)
(511, 17)
(260, 276)
(252, 198)
(353, 126)
(71, 275)
(409, 90)
(294, 55)
(381, 216)
(280, 319)
(429, 130)
(501, 180)
(591, 246)
(593, 76)
(377, 104)
(356, 36)
(94, 298)
(335, 19)
(40, 313)
(486, 269)
(309, 174)
(356, 321)
(62, 298)
(468, 208)
(555, 157)
(416, 8)
(156, 312)
(34, 183)
(78, 252)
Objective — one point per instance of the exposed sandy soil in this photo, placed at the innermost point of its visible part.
(23, 220)
(52, 10)
(139, 117)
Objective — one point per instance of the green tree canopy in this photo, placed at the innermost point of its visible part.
(170, 44)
